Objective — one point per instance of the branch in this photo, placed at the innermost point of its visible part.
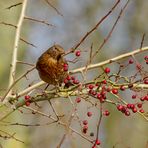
(39, 21)
(53, 7)
(16, 43)
(91, 66)
(14, 5)
(122, 56)
(94, 28)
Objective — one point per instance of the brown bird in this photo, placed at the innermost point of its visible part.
(50, 65)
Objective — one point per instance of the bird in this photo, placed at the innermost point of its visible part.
(50, 65)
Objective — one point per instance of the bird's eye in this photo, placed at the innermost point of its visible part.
(58, 57)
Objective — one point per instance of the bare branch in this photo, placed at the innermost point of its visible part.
(122, 56)
(94, 28)
(28, 43)
(14, 5)
(39, 21)
(53, 7)
(16, 43)
(112, 29)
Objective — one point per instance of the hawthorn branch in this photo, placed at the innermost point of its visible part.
(14, 5)
(93, 29)
(39, 21)
(16, 44)
(52, 6)
(111, 31)
(89, 67)
(100, 64)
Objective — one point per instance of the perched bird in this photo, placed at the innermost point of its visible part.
(50, 65)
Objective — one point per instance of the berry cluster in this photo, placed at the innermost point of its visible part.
(27, 100)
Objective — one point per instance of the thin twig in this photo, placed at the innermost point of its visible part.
(39, 21)
(26, 63)
(143, 37)
(98, 125)
(122, 56)
(10, 136)
(93, 29)
(17, 80)
(53, 7)
(14, 5)
(111, 31)
(28, 42)
(16, 43)
(8, 24)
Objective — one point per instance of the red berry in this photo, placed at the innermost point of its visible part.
(76, 81)
(130, 61)
(132, 106)
(99, 96)
(122, 88)
(27, 97)
(142, 98)
(108, 89)
(91, 86)
(124, 109)
(107, 70)
(146, 98)
(78, 100)
(85, 122)
(93, 92)
(106, 113)
(119, 107)
(72, 78)
(78, 53)
(27, 103)
(115, 91)
(128, 106)
(68, 77)
(139, 105)
(134, 96)
(146, 57)
(89, 114)
(127, 113)
(65, 81)
(141, 111)
(66, 68)
(134, 110)
(104, 82)
(97, 142)
(146, 81)
(85, 128)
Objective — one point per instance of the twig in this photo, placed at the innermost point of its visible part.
(11, 25)
(16, 43)
(39, 21)
(111, 31)
(53, 7)
(10, 136)
(27, 42)
(26, 63)
(8, 24)
(17, 80)
(98, 125)
(122, 56)
(93, 29)
(142, 40)
(14, 5)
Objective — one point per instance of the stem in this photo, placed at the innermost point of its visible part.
(122, 56)
(16, 43)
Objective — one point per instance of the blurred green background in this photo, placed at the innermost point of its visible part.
(78, 17)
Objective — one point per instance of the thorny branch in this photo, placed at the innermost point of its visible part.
(16, 44)
(93, 29)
